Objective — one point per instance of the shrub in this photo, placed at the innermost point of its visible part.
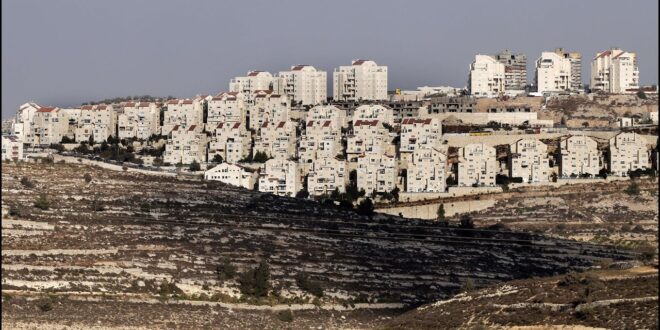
(124, 168)
(169, 289)
(302, 194)
(307, 285)
(225, 270)
(466, 222)
(366, 207)
(633, 188)
(42, 202)
(97, 205)
(25, 181)
(45, 305)
(285, 316)
(88, 177)
(194, 166)
(441, 212)
(256, 282)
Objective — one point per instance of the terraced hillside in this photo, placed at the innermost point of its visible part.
(130, 237)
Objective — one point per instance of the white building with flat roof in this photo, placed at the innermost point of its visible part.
(426, 171)
(419, 133)
(362, 80)
(233, 174)
(281, 177)
(628, 152)
(252, 82)
(486, 77)
(477, 165)
(553, 73)
(579, 155)
(615, 71)
(328, 112)
(303, 84)
(374, 111)
(528, 159)
(12, 148)
(96, 121)
(268, 107)
(369, 136)
(326, 175)
(49, 126)
(376, 173)
(183, 113)
(22, 126)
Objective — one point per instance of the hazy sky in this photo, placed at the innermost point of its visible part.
(66, 52)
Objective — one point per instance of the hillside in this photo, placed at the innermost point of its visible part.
(128, 238)
(612, 299)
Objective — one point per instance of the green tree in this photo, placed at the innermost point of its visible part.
(194, 166)
(366, 207)
(256, 282)
(441, 212)
(633, 188)
(42, 202)
(302, 194)
(466, 221)
(217, 159)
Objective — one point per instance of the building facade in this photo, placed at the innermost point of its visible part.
(362, 80)
(486, 77)
(12, 148)
(281, 177)
(615, 71)
(426, 171)
(268, 107)
(183, 113)
(326, 175)
(233, 174)
(277, 139)
(98, 122)
(578, 156)
(576, 67)
(226, 107)
(628, 152)
(477, 165)
(515, 69)
(186, 145)
(528, 159)
(252, 82)
(49, 126)
(139, 120)
(376, 173)
(553, 73)
(231, 141)
(303, 84)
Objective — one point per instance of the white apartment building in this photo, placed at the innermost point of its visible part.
(369, 136)
(328, 112)
(139, 120)
(377, 173)
(477, 165)
(183, 113)
(12, 148)
(185, 145)
(233, 174)
(22, 126)
(419, 133)
(322, 138)
(553, 73)
(303, 84)
(49, 126)
(528, 159)
(281, 177)
(276, 139)
(226, 107)
(252, 82)
(231, 141)
(362, 80)
(576, 67)
(426, 171)
(615, 71)
(628, 152)
(486, 77)
(579, 155)
(96, 121)
(268, 107)
(72, 117)
(326, 175)
(374, 111)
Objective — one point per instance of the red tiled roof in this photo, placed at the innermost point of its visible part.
(412, 121)
(361, 122)
(173, 102)
(264, 125)
(129, 104)
(187, 102)
(253, 73)
(281, 124)
(605, 53)
(310, 123)
(220, 125)
(176, 128)
(192, 128)
(359, 62)
(86, 107)
(326, 124)
(143, 104)
(298, 67)
(46, 109)
(236, 125)
(102, 107)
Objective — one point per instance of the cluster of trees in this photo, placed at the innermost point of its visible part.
(136, 98)
(258, 157)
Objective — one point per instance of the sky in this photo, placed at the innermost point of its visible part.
(66, 52)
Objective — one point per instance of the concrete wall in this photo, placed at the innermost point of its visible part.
(429, 211)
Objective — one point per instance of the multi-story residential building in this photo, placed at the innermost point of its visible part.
(226, 107)
(12, 148)
(139, 120)
(579, 156)
(553, 73)
(426, 171)
(268, 107)
(22, 126)
(326, 175)
(369, 136)
(254, 81)
(362, 80)
(98, 122)
(454, 104)
(7, 126)
(477, 165)
(615, 71)
(233, 174)
(528, 159)
(185, 145)
(231, 141)
(322, 138)
(628, 152)
(576, 67)
(328, 112)
(276, 139)
(486, 77)
(280, 176)
(406, 109)
(71, 116)
(374, 112)
(515, 69)
(183, 113)
(49, 126)
(304, 85)
(377, 172)
(419, 133)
